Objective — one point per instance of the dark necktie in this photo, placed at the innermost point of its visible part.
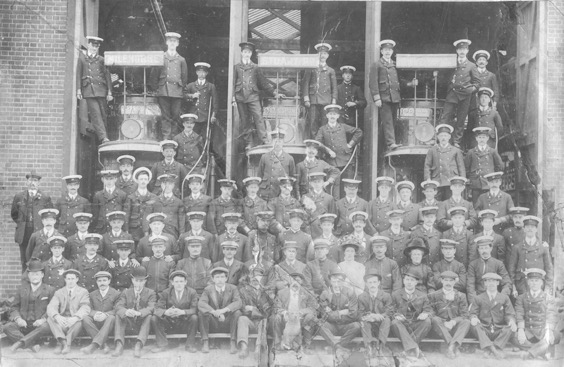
(137, 301)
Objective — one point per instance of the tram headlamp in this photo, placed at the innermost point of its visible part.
(424, 132)
(131, 128)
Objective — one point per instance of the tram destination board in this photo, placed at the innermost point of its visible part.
(134, 58)
(426, 61)
(288, 61)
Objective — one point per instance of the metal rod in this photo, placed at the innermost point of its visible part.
(435, 77)
(415, 99)
(144, 90)
(124, 94)
(277, 101)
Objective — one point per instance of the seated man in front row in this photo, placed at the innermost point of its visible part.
(176, 310)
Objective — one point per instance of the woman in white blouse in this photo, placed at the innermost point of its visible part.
(353, 269)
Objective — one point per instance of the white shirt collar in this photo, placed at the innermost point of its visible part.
(103, 293)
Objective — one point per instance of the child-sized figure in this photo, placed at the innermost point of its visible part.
(351, 98)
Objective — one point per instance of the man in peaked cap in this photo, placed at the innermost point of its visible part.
(139, 204)
(487, 116)
(75, 243)
(537, 317)
(296, 233)
(319, 89)
(107, 200)
(387, 268)
(27, 324)
(91, 262)
(283, 204)
(429, 189)
(176, 311)
(232, 222)
(190, 145)
(311, 164)
(172, 206)
(196, 200)
(38, 245)
(429, 233)
(347, 205)
(444, 161)
(157, 267)
(116, 233)
(201, 93)
(25, 212)
(169, 82)
(263, 242)
(126, 181)
(224, 203)
(497, 200)
(94, 85)
(196, 267)
(252, 204)
(457, 186)
(101, 320)
(219, 308)
(70, 204)
(399, 238)
(351, 98)
(57, 264)
(168, 166)
(382, 204)
(196, 220)
(487, 78)
(143, 249)
(492, 317)
(459, 233)
(279, 277)
(414, 252)
(411, 216)
(464, 83)
(487, 219)
(317, 202)
(248, 82)
(133, 312)
(121, 273)
(515, 234)
(449, 263)
(317, 271)
(66, 310)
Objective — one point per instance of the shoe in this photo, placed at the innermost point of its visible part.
(36, 348)
(233, 347)
(137, 350)
(206, 346)
(496, 353)
(119, 350)
(105, 140)
(244, 350)
(158, 349)
(394, 146)
(190, 348)
(17, 345)
(58, 348)
(456, 351)
(66, 348)
(450, 352)
(106, 349)
(89, 349)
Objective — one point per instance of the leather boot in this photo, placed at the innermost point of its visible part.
(17, 345)
(244, 350)
(66, 348)
(206, 346)
(233, 347)
(119, 350)
(137, 350)
(89, 349)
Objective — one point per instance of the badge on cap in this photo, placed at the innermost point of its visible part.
(141, 170)
(481, 53)
(348, 69)
(387, 43)
(123, 159)
(72, 179)
(323, 47)
(462, 43)
(172, 35)
(202, 66)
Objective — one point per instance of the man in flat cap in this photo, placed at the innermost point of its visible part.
(28, 316)
(351, 98)
(248, 82)
(168, 166)
(492, 317)
(169, 82)
(219, 309)
(133, 312)
(537, 317)
(139, 204)
(176, 310)
(450, 320)
(107, 200)
(203, 96)
(464, 83)
(311, 164)
(66, 310)
(25, 212)
(38, 246)
(70, 204)
(100, 322)
(93, 83)
(319, 89)
(196, 267)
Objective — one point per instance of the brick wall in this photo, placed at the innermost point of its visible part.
(33, 39)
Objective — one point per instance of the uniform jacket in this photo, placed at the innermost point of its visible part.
(92, 76)
(271, 166)
(88, 268)
(513, 237)
(498, 248)
(38, 246)
(210, 299)
(250, 208)
(174, 168)
(319, 85)
(137, 207)
(243, 252)
(324, 203)
(536, 314)
(464, 82)
(317, 274)
(501, 203)
(345, 300)
(67, 207)
(121, 275)
(25, 210)
(209, 246)
(105, 304)
(479, 163)
(187, 303)
(281, 207)
(31, 306)
(307, 302)
(201, 105)
(411, 215)
(349, 92)
(198, 271)
(412, 307)
(248, 82)
(383, 81)
(201, 204)
(489, 80)
(78, 304)
(54, 272)
(109, 250)
(237, 270)
(127, 186)
(377, 210)
(491, 118)
(443, 163)
(382, 304)
(343, 224)
(397, 244)
(388, 270)
(479, 267)
(175, 215)
(464, 247)
(104, 203)
(305, 167)
(170, 79)
(453, 266)
(304, 243)
(75, 247)
(189, 149)
(147, 302)
(432, 237)
(336, 139)
(537, 256)
(218, 207)
(426, 284)
(158, 270)
(144, 249)
(447, 310)
(496, 313)
(443, 216)
(262, 304)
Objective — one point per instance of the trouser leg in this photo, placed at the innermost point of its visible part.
(73, 332)
(144, 329)
(420, 329)
(308, 323)
(368, 329)
(90, 326)
(191, 327)
(278, 328)
(106, 328)
(175, 105)
(502, 337)
(13, 332)
(233, 319)
(243, 326)
(119, 329)
(166, 113)
(204, 320)
(32, 337)
(388, 114)
(476, 194)
(481, 334)
(461, 114)
(56, 329)
(97, 115)
(438, 326)
(327, 331)
(158, 324)
(400, 331)
(255, 110)
(23, 246)
(460, 331)
(350, 331)
(244, 117)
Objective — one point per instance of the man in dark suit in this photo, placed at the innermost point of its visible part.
(28, 318)
(231, 221)
(375, 310)
(176, 311)
(248, 82)
(190, 146)
(195, 221)
(252, 204)
(121, 273)
(196, 201)
(169, 82)
(107, 200)
(75, 243)
(457, 186)
(236, 269)
(450, 320)
(126, 181)
(202, 94)
(224, 203)
(70, 204)
(319, 89)
(25, 212)
(133, 312)
(38, 245)
(168, 168)
(219, 308)
(94, 84)
(351, 98)
(492, 317)
(311, 164)
(100, 322)
(381, 205)
(196, 267)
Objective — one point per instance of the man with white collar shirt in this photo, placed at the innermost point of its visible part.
(350, 97)
(487, 78)
(70, 204)
(237, 269)
(448, 263)
(430, 189)
(109, 249)
(347, 205)
(387, 268)
(168, 166)
(125, 181)
(38, 246)
(378, 207)
(232, 221)
(497, 200)
(91, 262)
(121, 273)
(224, 203)
(172, 206)
(139, 204)
(457, 186)
(202, 94)
(487, 218)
